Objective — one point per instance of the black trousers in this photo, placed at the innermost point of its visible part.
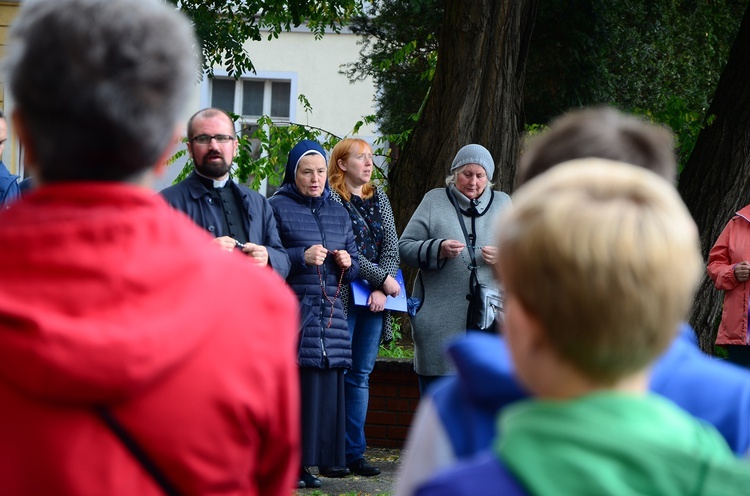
(738, 354)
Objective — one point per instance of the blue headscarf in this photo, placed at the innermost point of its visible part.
(304, 147)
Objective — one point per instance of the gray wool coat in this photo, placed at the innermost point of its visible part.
(442, 317)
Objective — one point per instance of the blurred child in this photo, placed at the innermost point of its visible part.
(456, 419)
(599, 261)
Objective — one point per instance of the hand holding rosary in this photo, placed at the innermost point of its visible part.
(343, 259)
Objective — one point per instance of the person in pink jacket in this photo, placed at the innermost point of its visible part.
(136, 357)
(729, 268)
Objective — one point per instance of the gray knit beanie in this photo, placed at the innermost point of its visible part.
(474, 154)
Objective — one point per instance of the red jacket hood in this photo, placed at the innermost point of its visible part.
(92, 280)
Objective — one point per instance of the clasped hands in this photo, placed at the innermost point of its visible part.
(258, 253)
(316, 255)
(742, 271)
(451, 248)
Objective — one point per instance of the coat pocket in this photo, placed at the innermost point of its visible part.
(307, 316)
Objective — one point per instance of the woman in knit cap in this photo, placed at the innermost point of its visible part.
(317, 235)
(434, 241)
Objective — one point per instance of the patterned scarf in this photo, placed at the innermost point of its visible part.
(368, 234)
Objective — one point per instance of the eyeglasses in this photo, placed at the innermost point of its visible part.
(204, 139)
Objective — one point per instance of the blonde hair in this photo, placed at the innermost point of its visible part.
(607, 257)
(336, 176)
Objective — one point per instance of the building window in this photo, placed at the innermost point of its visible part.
(252, 98)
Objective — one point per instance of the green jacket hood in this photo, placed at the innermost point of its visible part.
(609, 443)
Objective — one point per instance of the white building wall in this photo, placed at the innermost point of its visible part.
(337, 104)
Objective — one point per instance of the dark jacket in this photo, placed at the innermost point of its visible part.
(191, 197)
(8, 185)
(303, 222)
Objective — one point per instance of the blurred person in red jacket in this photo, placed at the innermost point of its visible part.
(135, 357)
(729, 269)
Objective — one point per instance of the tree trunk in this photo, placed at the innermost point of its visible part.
(476, 97)
(716, 180)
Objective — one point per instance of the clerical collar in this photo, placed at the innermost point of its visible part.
(216, 183)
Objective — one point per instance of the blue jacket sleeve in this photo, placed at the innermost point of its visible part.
(277, 255)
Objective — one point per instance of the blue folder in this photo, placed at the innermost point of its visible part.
(361, 290)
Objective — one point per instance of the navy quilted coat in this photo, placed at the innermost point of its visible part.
(305, 221)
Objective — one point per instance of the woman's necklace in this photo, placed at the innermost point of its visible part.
(325, 295)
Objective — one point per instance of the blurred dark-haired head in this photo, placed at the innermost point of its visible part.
(98, 85)
(600, 132)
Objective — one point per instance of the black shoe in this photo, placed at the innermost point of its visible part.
(361, 467)
(301, 484)
(334, 472)
(308, 479)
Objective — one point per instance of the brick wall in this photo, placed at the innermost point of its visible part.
(394, 395)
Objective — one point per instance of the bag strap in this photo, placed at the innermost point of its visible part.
(470, 238)
(470, 242)
(137, 451)
(353, 208)
(349, 206)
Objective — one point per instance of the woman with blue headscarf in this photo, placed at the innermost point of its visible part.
(317, 235)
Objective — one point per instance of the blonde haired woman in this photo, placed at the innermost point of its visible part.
(349, 176)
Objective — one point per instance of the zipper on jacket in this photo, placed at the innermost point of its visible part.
(324, 276)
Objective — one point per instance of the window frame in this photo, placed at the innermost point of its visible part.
(267, 77)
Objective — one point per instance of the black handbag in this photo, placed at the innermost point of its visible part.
(485, 306)
(485, 301)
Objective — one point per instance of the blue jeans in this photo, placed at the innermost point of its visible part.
(365, 329)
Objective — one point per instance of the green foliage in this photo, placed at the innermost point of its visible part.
(275, 144)
(181, 153)
(399, 51)
(658, 58)
(188, 165)
(393, 349)
(276, 141)
(685, 123)
(534, 129)
(634, 55)
(721, 352)
(223, 26)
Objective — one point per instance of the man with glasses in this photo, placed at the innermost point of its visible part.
(238, 217)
